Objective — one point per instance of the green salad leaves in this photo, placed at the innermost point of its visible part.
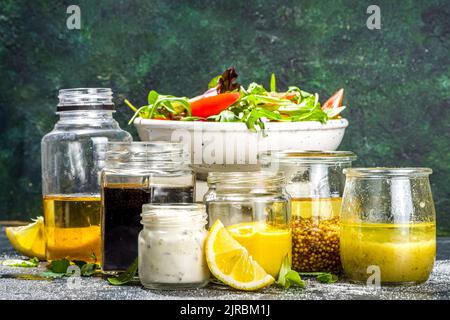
(254, 105)
(161, 107)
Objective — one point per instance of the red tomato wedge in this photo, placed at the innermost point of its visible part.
(335, 100)
(206, 106)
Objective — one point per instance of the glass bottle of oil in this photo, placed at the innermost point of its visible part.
(315, 182)
(73, 154)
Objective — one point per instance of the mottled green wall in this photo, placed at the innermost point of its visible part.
(397, 79)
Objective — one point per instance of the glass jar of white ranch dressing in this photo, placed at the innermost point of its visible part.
(171, 246)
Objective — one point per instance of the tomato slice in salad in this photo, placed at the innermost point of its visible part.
(335, 101)
(205, 106)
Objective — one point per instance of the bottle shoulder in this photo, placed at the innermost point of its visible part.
(112, 134)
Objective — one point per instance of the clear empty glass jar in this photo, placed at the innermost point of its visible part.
(254, 207)
(388, 225)
(73, 155)
(315, 182)
(138, 173)
(171, 246)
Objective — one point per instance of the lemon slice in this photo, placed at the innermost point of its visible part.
(231, 263)
(28, 240)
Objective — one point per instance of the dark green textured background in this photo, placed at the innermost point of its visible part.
(397, 79)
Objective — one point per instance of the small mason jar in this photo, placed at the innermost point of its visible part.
(138, 173)
(171, 246)
(73, 155)
(254, 207)
(315, 182)
(388, 226)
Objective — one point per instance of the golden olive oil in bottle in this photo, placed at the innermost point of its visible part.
(72, 227)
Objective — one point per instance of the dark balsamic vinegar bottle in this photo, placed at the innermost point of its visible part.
(138, 173)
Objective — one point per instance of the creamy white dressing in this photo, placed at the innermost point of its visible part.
(171, 251)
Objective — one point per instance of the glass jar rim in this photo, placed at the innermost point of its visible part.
(173, 214)
(74, 99)
(246, 178)
(307, 156)
(145, 151)
(143, 143)
(383, 172)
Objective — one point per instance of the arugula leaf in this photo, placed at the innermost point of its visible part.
(58, 266)
(32, 263)
(273, 83)
(126, 276)
(160, 106)
(288, 277)
(327, 278)
(293, 89)
(89, 269)
(254, 88)
(214, 82)
(331, 113)
(152, 97)
(224, 116)
(322, 277)
(53, 275)
(307, 110)
(128, 103)
(191, 118)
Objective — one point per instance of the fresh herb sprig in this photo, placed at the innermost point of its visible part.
(126, 276)
(31, 263)
(322, 277)
(288, 277)
(60, 268)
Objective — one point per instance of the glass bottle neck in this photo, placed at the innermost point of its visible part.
(103, 118)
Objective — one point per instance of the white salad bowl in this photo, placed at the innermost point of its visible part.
(213, 136)
(231, 146)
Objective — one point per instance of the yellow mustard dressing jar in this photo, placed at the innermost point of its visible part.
(388, 226)
(254, 207)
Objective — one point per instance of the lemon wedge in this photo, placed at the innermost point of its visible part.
(28, 240)
(231, 263)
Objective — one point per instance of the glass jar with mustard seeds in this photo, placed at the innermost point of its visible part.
(315, 182)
